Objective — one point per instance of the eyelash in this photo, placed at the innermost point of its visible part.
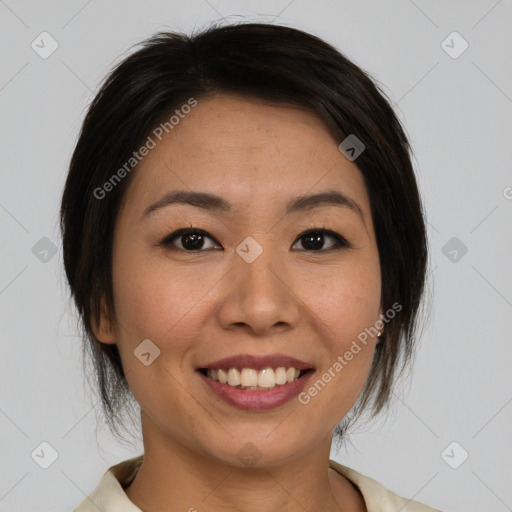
(341, 242)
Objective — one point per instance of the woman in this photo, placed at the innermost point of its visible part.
(245, 243)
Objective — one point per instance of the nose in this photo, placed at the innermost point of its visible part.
(259, 297)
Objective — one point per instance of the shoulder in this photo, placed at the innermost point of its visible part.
(377, 497)
(109, 495)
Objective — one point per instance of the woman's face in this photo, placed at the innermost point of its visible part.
(276, 292)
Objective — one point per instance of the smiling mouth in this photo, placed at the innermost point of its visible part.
(249, 379)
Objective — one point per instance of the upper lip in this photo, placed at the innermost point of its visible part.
(258, 362)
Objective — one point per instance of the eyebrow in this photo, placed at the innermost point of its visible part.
(213, 202)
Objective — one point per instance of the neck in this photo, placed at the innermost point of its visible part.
(174, 477)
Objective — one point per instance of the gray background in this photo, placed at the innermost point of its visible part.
(457, 112)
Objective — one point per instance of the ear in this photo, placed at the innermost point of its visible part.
(104, 329)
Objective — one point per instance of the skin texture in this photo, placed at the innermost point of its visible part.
(200, 306)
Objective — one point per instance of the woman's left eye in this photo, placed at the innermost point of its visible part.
(312, 240)
(315, 239)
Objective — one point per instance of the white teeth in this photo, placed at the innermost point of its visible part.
(233, 377)
(281, 376)
(249, 378)
(267, 378)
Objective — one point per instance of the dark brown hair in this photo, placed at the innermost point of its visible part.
(270, 62)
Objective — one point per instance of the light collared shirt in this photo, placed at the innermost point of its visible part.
(109, 495)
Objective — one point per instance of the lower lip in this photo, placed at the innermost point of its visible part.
(257, 400)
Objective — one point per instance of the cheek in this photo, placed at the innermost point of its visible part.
(345, 299)
(168, 308)
(160, 303)
(344, 308)
(345, 305)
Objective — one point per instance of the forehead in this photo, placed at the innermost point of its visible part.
(247, 151)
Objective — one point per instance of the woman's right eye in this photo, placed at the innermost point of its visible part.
(188, 239)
